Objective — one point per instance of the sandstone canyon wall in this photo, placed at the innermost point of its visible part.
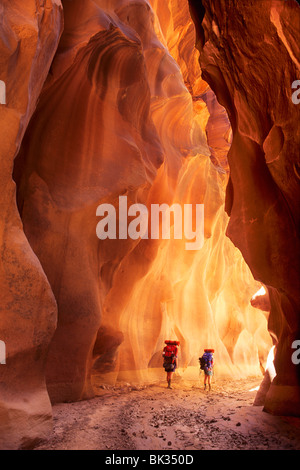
(28, 313)
(123, 111)
(250, 57)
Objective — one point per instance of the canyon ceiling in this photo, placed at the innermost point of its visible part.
(163, 102)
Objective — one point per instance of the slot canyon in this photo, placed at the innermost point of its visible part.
(168, 102)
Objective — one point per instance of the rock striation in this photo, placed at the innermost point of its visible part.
(250, 58)
(106, 99)
(29, 36)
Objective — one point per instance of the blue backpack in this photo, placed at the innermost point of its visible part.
(206, 360)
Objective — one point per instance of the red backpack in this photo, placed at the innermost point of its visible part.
(170, 351)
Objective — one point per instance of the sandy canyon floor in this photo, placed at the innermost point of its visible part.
(184, 418)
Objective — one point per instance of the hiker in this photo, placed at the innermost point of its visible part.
(207, 364)
(170, 359)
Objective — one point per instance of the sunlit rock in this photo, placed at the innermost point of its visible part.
(124, 111)
(249, 57)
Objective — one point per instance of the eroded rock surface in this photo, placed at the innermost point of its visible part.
(124, 111)
(118, 116)
(29, 36)
(250, 57)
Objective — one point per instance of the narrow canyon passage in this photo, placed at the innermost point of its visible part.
(184, 418)
(150, 192)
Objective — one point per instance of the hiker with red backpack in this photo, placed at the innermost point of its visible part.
(170, 359)
(207, 364)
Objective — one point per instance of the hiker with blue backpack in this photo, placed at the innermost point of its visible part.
(207, 364)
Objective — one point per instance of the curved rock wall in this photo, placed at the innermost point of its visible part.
(252, 75)
(101, 131)
(123, 111)
(29, 36)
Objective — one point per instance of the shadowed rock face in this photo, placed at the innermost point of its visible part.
(29, 36)
(123, 110)
(249, 57)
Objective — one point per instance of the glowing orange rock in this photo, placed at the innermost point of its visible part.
(243, 52)
(101, 131)
(123, 111)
